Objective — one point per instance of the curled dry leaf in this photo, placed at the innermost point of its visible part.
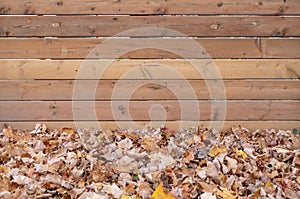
(22, 180)
(232, 164)
(296, 160)
(212, 170)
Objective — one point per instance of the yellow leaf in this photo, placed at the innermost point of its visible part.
(79, 154)
(126, 197)
(225, 194)
(241, 153)
(159, 193)
(269, 185)
(215, 151)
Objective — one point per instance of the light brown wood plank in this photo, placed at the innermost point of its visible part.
(175, 125)
(149, 48)
(150, 89)
(13, 69)
(69, 26)
(275, 46)
(150, 7)
(62, 110)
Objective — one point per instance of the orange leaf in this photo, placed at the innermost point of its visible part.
(68, 130)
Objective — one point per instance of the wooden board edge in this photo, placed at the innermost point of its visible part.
(176, 125)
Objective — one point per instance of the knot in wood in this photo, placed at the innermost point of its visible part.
(259, 3)
(56, 24)
(255, 23)
(59, 3)
(215, 26)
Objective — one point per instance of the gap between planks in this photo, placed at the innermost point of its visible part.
(175, 125)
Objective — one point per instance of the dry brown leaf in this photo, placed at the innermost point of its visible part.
(144, 189)
(296, 160)
(113, 190)
(298, 179)
(232, 164)
(206, 187)
(226, 194)
(5, 183)
(289, 193)
(8, 132)
(193, 163)
(212, 170)
(208, 195)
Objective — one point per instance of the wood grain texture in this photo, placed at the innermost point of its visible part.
(275, 45)
(176, 125)
(149, 48)
(150, 89)
(18, 69)
(103, 26)
(252, 46)
(138, 110)
(150, 7)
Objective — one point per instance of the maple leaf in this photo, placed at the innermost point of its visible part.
(159, 193)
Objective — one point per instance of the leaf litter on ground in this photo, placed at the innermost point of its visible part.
(155, 163)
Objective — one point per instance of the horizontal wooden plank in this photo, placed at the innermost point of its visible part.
(275, 45)
(149, 89)
(149, 48)
(148, 110)
(70, 26)
(175, 125)
(18, 69)
(150, 7)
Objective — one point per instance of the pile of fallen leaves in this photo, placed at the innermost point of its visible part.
(151, 163)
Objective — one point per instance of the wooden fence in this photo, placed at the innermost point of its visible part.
(254, 44)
